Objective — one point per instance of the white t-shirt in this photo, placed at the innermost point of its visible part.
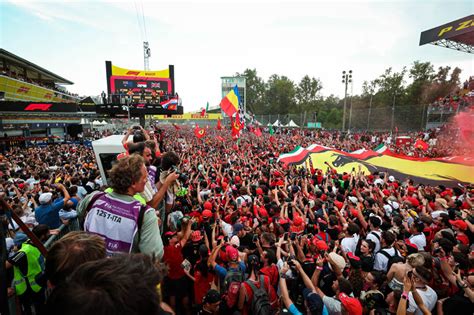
(349, 244)
(374, 239)
(419, 240)
(381, 261)
(429, 298)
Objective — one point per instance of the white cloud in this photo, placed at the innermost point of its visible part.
(207, 40)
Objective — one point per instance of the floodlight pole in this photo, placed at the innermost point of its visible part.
(350, 110)
(146, 55)
(370, 111)
(393, 112)
(346, 79)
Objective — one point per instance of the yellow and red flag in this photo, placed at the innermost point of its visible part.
(230, 103)
(436, 171)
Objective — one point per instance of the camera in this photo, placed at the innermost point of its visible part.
(290, 261)
(182, 177)
(293, 236)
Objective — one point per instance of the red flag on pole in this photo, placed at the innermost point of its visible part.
(199, 132)
(219, 126)
(236, 126)
(176, 126)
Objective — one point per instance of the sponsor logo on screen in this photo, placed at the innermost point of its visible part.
(23, 89)
(38, 106)
(133, 72)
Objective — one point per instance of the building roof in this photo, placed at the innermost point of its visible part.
(457, 35)
(46, 74)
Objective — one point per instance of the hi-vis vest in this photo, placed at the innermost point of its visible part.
(116, 221)
(33, 256)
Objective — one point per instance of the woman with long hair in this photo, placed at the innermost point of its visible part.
(397, 272)
(202, 275)
(366, 254)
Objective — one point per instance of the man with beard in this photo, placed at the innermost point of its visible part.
(152, 195)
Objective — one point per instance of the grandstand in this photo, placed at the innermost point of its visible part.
(22, 80)
(34, 104)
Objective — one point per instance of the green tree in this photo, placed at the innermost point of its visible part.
(255, 91)
(280, 95)
(390, 86)
(422, 74)
(307, 93)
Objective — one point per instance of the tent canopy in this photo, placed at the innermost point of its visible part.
(292, 124)
(277, 123)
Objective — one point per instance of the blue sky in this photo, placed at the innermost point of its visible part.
(209, 39)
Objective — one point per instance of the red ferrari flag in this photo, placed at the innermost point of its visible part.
(236, 127)
(422, 145)
(219, 126)
(199, 132)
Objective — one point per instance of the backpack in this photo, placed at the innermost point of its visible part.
(391, 259)
(375, 234)
(232, 282)
(260, 303)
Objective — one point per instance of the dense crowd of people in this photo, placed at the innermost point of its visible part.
(183, 225)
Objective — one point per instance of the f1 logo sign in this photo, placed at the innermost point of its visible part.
(38, 106)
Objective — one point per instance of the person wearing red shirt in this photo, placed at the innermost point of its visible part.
(175, 283)
(202, 275)
(459, 226)
(269, 266)
(246, 293)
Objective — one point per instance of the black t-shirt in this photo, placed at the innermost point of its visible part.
(458, 304)
(333, 233)
(326, 278)
(191, 252)
(246, 241)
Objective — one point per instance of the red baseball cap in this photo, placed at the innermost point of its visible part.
(196, 236)
(351, 305)
(320, 244)
(259, 191)
(338, 204)
(460, 224)
(232, 253)
(208, 205)
(207, 214)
